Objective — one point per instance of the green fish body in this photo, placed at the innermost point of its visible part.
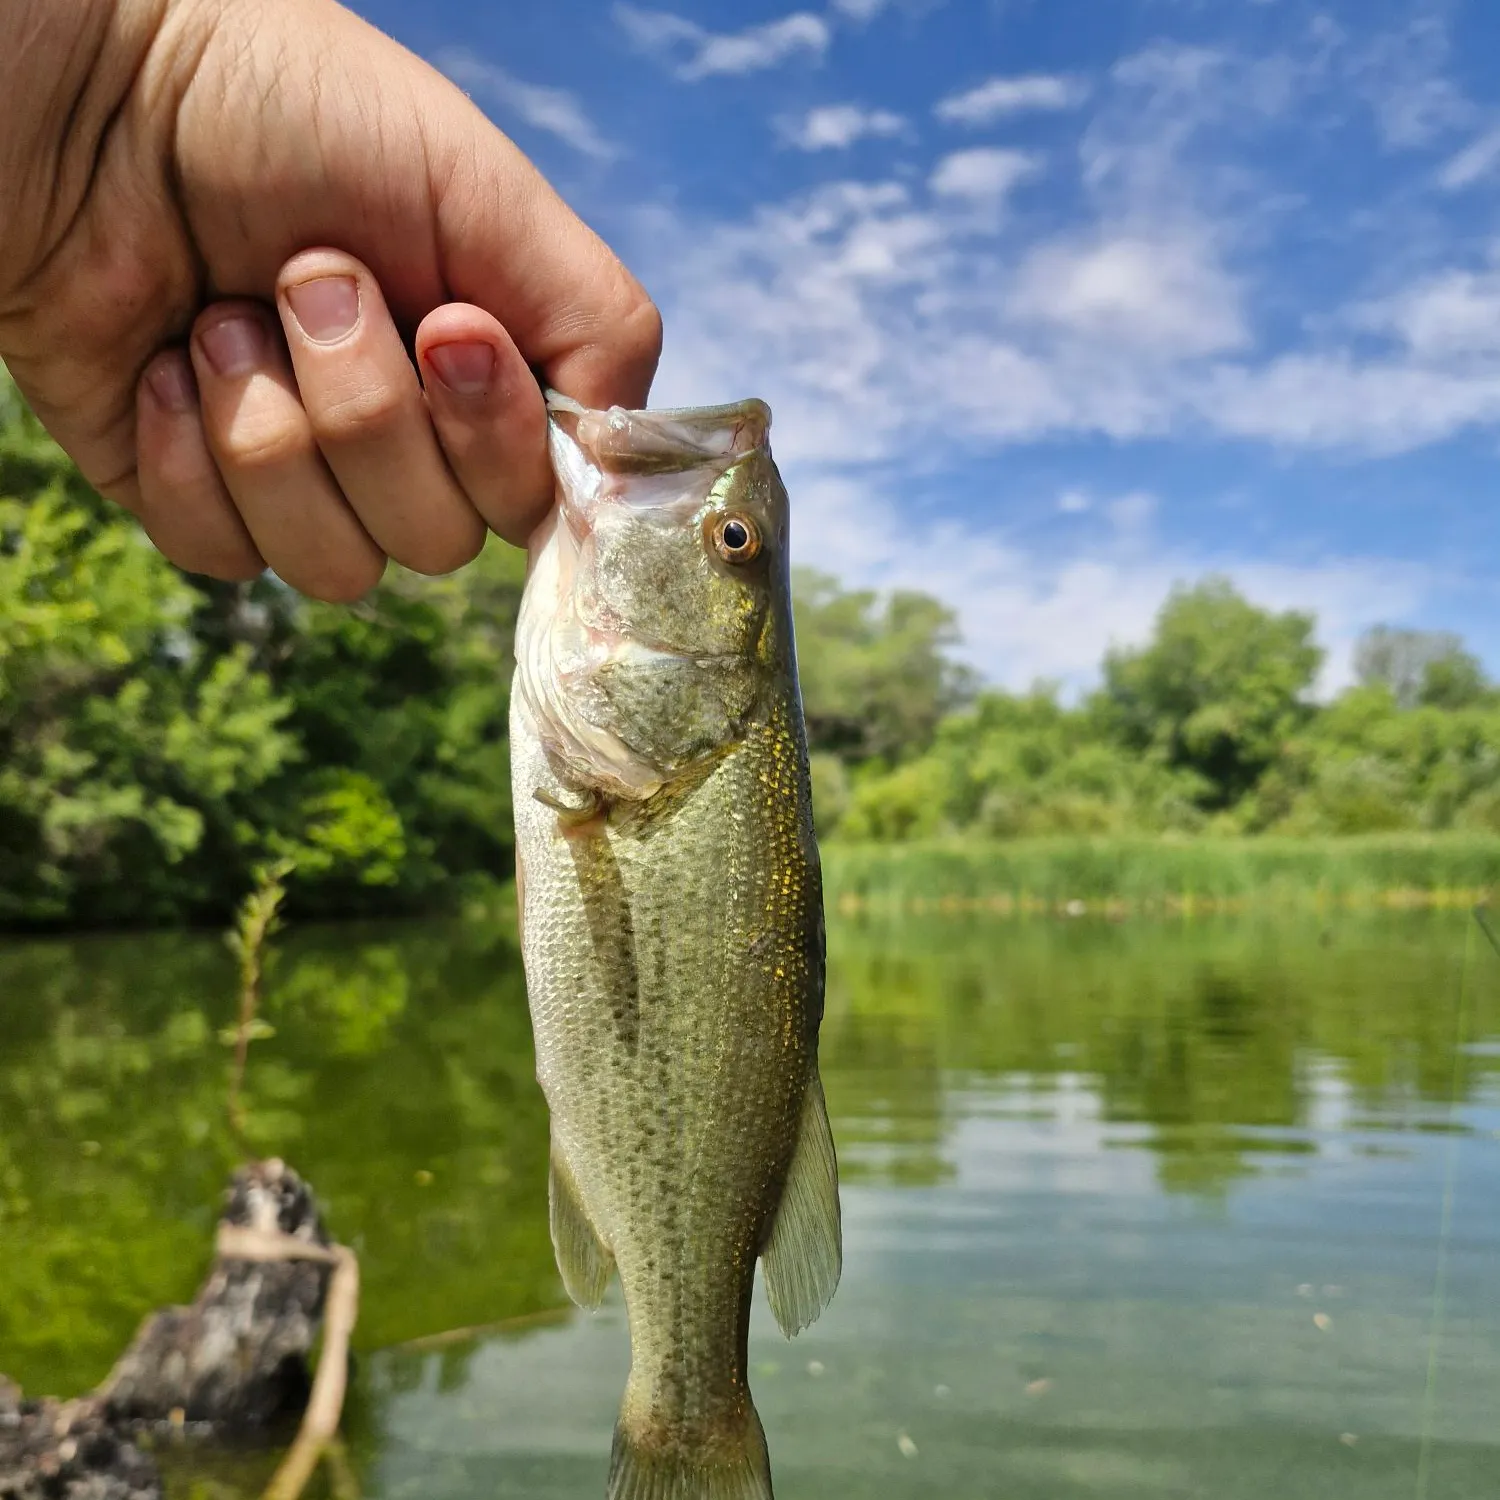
(672, 921)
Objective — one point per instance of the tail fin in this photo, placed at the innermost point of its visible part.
(737, 1469)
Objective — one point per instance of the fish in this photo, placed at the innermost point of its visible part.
(671, 921)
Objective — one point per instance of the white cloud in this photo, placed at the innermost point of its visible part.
(1333, 400)
(1007, 96)
(1161, 296)
(1402, 75)
(1028, 614)
(895, 329)
(1477, 160)
(860, 10)
(555, 111)
(1451, 314)
(697, 53)
(985, 173)
(1171, 68)
(834, 127)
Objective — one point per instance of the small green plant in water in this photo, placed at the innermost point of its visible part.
(256, 921)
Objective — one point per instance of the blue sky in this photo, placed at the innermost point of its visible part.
(1058, 302)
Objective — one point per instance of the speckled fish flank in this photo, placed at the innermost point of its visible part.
(672, 921)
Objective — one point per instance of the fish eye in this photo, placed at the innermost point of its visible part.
(736, 538)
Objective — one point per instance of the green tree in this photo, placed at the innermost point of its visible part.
(130, 759)
(401, 702)
(1420, 667)
(160, 734)
(1218, 690)
(877, 676)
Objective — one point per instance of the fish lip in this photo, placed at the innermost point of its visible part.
(627, 440)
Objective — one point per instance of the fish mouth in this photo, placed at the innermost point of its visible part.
(669, 440)
(617, 455)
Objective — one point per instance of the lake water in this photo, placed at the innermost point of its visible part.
(1203, 1208)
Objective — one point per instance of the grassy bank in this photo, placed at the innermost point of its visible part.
(1132, 874)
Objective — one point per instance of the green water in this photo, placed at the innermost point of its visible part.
(1137, 1209)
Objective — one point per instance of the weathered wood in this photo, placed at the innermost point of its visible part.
(67, 1450)
(237, 1357)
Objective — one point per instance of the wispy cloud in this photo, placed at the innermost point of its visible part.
(1403, 77)
(1050, 613)
(997, 97)
(695, 53)
(1477, 160)
(1448, 315)
(987, 173)
(1158, 294)
(553, 110)
(860, 10)
(835, 127)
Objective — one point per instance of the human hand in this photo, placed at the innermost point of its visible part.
(221, 221)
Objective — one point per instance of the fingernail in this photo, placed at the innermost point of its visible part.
(234, 347)
(466, 369)
(170, 381)
(325, 309)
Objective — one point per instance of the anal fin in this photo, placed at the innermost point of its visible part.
(582, 1259)
(804, 1255)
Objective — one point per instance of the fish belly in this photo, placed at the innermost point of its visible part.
(674, 965)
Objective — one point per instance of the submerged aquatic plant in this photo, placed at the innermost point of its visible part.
(255, 922)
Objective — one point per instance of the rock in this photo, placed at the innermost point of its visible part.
(237, 1357)
(65, 1450)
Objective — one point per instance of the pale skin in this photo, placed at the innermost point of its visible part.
(284, 293)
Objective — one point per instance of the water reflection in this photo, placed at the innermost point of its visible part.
(1131, 1208)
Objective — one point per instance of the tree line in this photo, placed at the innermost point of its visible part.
(162, 735)
(1210, 728)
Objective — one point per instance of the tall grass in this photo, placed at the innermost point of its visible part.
(1160, 874)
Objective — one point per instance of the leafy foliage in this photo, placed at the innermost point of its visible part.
(162, 735)
(1208, 728)
(1218, 689)
(876, 676)
(1420, 666)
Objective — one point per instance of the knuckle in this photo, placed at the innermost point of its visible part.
(638, 324)
(370, 414)
(263, 443)
(177, 471)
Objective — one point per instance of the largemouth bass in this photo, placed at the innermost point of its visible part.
(672, 921)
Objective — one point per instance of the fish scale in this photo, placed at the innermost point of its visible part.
(672, 931)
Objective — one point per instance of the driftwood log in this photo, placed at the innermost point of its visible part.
(235, 1359)
(68, 1450)
(238, 1356)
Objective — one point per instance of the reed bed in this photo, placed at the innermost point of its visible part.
(1118, 876)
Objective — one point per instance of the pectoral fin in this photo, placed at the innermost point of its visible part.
(582, 1259)
(804, 1254)
(588, 811)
